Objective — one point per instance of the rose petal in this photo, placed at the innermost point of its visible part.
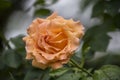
(38, 65)
(39, 58)
(29, 56)
(54, 15)
(34, 26)
(56, 65)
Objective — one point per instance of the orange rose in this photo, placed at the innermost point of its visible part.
(52, 41)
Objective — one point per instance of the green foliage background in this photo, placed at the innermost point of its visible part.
(13, 65)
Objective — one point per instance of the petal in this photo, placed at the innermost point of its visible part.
(54, 15)
(43, 27)
(65, 61)
(63, 56)
(39, 58)
(38, 65)
(54, 27)
(49, 48)
(59, 41)
(30, 44)
(34, 26)
(29, 56)
(56, 65)
(77, 28)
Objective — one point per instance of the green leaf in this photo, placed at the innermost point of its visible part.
(4, 5)
(12, 59)
(107, 72)
(70, 76)
(86, 3)
(87, 78)
(45, 76)
(99, 75)
(112, 7)
(89, 54)
(37, 74)
(54, 1)
(19, 45)
(96, 38)
(98, 9)
(112, 71)
(21, 52)
(17, 41)
(58, 72)
(2, 65)
(117, 21)
(42, 12)
(110, 58)
(100, 42)
(40, 2)
(33, 74)
(11, 76)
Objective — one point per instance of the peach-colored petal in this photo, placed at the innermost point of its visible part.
(54, 15)
(38, 65)
(29, 56)
(39, 58)
(34, 26)
(76, 27)
(30, 44)
(56, 65)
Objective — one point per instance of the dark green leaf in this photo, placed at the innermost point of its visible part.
(37, 74)
(42, 12)
(33, 74)
(86, 3)
(54, 1)
(89, 54)
(70, 76)
(98, 9)
(45, 75)
(21, 52)
(87, 78)
(17, 41)
(112, 71)
(112, 7)
(4, 5)
(19, 45)
(11, 76)
(99, 75)
(58, 72)
(111, 58)
(40, 2)
(108, 72)
(2, 65)
(117, 21)
(12, 59)
(100, 42)
(96, 38)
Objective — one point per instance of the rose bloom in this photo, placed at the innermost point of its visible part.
(52, 41)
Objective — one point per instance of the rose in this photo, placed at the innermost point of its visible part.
(52, 41)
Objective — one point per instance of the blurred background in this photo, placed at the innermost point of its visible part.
(99, 17)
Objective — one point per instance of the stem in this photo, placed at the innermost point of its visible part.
(84, 70)
(84, 51)
(82, 60)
